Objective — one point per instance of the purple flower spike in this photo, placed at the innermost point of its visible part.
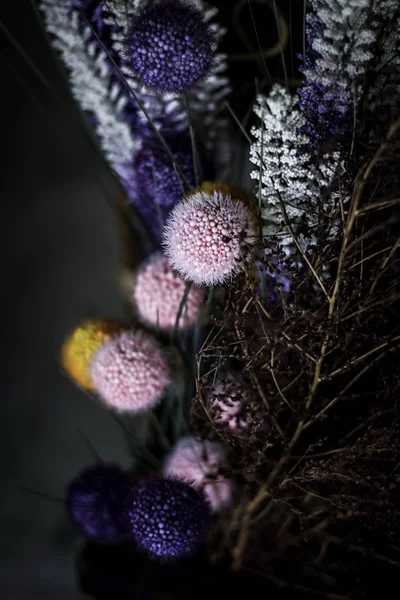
(339, 48)
(327, 107)
(169, 46)
(167, 518)
(94, 501)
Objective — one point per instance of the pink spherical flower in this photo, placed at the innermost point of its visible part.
(198, 462)
(229, 405)
(159, 292)
(130, 372)
(208, 237)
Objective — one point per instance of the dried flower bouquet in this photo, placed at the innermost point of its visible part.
(262, 351)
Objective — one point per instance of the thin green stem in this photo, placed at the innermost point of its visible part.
(181, 307)
(280, 43)
(242, 129)
(195, 154)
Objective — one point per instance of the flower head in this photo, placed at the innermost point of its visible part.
(80, 347)
(94, 501)
(169, 46)
(229, 405)
(130, 372)
(167, 518)
(159, 292)
(208, 237)
(198, 462)
(158, 182)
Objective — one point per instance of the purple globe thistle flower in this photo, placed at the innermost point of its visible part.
(167, 518)
(209, 237)
(169, 46)
(159, 185)
(94, 501)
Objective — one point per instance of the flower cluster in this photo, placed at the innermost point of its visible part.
(166, 518)
(345, 39)
(92, 39)
(159, 50)
(247, 392)
(167, 110)
(296, 166)
(93, 83)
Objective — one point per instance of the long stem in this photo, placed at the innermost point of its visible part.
(195, 154)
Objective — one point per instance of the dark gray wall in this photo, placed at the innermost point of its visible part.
(59, 265)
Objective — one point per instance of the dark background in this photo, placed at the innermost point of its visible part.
(60, 265)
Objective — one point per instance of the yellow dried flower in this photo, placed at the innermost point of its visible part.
(80, 347)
